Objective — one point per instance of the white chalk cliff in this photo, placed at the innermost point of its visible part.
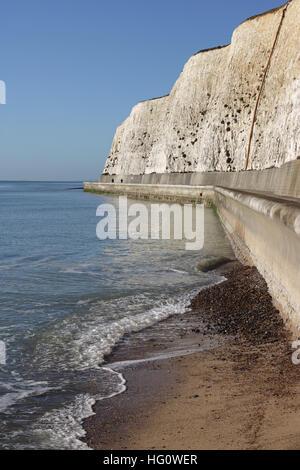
(204, 124)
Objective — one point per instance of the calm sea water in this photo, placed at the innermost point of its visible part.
(68, 298)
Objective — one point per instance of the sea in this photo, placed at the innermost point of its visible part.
(67, 298)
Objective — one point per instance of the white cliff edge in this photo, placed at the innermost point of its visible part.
(205, 121)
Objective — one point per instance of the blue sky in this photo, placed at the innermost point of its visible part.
(74, 69)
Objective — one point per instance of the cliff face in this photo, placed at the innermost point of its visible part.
(204, 123)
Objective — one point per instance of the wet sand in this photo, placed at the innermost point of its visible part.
(217, 377)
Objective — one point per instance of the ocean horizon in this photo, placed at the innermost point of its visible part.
(68, 298)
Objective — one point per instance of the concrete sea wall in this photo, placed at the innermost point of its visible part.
(284, 181)
(263, 228)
